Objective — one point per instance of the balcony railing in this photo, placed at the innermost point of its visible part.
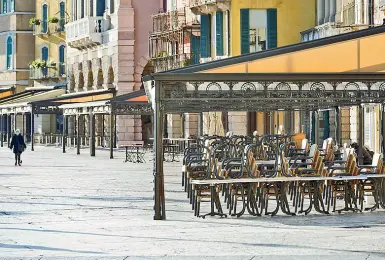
(209, 59)
(45, 28)
(171, 62)
(50, 72)
(85, 32)
(208, 6)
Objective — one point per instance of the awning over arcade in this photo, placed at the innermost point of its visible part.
(75, 103)
(20, 103)
(134, 103)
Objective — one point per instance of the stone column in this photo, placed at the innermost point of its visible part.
(174, 125)
(333, 9)
(191, 125)
(327, 11)
(320, 11)
(238, 122)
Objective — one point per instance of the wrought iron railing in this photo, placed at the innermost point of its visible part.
(171, 62)
(48, 72)
(204, 2)
(49, 28)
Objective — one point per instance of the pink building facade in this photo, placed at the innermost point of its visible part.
(108, 50)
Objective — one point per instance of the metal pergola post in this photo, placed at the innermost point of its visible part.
(78, 139)
(23, 117)
(64, 136)
(316, 128)
(112, 134)
(338, 126)
(32, 129)
(383, 127)
(9, 130)
(361, 133)
(158, 158)
(1, 130)
(92, 134)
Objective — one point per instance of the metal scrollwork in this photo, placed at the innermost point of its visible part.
(317, 90)
(178, 91)
(214, 89)
(351, 90)
(283, 89)
(381, 90)
(248, 89)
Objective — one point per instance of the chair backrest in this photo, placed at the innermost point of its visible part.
(313, 149)
(376, 158)
(304, 144)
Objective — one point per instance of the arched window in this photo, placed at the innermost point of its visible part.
(62, 70)
(62, 14)
(44, 27)
(100, 7)
(9, 53)
(44, 57)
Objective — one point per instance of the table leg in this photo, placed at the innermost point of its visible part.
(212, 201)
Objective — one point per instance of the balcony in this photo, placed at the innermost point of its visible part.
(171, 62)
(209, 59)
(209, 6)
(45, 28)
(48, 73)
(85, 32)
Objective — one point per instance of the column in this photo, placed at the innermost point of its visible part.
(78, 138)
(200, 124)
(333, 10)
(32, 129)
(158, 160)
(112, 135)
(92, 134)
(64, 137)
(320, 11)
(338, 126)
(327, 11)
(383, 129)
(1, 130)
(361, 133)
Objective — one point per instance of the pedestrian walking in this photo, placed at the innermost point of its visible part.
(18, 146)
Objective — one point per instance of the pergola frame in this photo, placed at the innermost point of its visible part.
(203, 92)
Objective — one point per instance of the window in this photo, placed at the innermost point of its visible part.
(62, 14)
(44, 57)
(100, 7)
(349, 17)
(62, 60)
(82, 8)
(9, 53)
(205, 39)
(219, 33)
(44, 27)
(91, 7)
(7, 6)
(258, 30)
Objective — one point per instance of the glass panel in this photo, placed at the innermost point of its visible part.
(5, 10)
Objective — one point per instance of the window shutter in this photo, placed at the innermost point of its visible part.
(205, 36)
(219, 35)
(195, 41)
(245, 31)
(9, 53)
(5, 7)
(100, 7)
(44, 54)
(326, 125)
(271, 28)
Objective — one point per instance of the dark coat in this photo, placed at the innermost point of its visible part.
(17, 144)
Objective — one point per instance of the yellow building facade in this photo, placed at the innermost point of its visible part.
(48, 68)
(238, 27)
(293, 17)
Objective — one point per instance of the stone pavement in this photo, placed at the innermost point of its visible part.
(68, 206)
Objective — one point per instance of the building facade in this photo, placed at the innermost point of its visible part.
(107, 49)
(333, 18)
(17, 40)
(48, 68)
(236, 27)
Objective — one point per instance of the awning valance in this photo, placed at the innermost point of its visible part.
(134, 103)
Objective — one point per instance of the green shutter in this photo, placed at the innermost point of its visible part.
(205, 35)
(271, 28)
(245, 31)
(195, 41)
(9, 53)
(219, 35)
(4, 6)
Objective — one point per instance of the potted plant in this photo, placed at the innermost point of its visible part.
(53, 19)
(34, 21)
(52, 64)
(38, 64)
